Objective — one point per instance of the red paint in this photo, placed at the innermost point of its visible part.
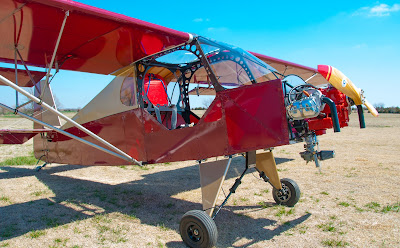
(156, 93)
(254, 116)
(323, 70)
(193, 118)
(320, 124)
(239, 120)
(93, 126)
(9, 136)
(214, 112)
(94, 40)
(151, 44)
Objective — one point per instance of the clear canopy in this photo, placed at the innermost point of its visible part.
(232, 65)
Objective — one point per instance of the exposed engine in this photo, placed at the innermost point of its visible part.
(309, 106)
(310, 112)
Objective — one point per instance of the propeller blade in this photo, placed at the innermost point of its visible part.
(345, 85)
(371, 108)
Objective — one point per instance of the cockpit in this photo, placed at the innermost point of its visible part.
(167, 80)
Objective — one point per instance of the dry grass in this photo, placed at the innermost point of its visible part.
(354, 202)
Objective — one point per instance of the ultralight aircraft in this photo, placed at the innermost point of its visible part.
(134, 119)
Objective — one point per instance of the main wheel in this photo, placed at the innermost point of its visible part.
(289, 195)
(198, 230)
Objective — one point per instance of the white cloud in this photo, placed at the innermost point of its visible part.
(379, 10)
(360, 46)
(212, 29)
(201, 20)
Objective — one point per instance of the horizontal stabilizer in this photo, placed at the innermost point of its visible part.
(18, 136)
(202, 91)
(23, 77)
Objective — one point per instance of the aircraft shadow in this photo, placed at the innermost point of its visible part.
(148, 199)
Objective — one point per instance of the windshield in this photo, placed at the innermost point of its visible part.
(232, 65)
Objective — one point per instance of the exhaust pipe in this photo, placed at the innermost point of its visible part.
(335, 118)
(361, 116)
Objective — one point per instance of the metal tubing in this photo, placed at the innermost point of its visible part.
(56, 47)
(58, 113)
(64, 132)
(26, 69)
(22, 105)
(16, 76)
(232, 190)
(361, 116)
(315, 74)
(208, 68)
(335, 118)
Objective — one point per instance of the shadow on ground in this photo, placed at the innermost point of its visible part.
(148, 199)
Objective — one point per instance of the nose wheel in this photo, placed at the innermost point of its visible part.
(198, 230)
(289, 195)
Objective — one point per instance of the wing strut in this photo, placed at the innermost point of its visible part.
(315, 74)
(127, 158)
(58, 113)
(55, 52)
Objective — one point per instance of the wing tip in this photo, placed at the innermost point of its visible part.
(324, 70)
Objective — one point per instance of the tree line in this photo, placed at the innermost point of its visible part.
(391, 110)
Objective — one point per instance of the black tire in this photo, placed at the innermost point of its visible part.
(292, 195)
(198, 230)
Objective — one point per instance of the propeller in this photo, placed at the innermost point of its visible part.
(345, 85)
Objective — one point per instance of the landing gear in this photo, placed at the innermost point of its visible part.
(38, 168)
(289, 195)
(198, 230)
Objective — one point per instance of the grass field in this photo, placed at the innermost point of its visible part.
(354, 202)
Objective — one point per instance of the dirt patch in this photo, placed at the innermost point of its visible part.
(354, 202)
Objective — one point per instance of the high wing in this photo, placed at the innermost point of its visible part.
(93, 40)
(288, 68)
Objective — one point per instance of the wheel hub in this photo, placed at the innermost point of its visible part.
(194, 233)
(284, 194)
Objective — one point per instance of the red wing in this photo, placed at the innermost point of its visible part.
(287, 68)
(94, 40)
(23, 78)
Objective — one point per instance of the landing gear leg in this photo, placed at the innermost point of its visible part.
(198, 229)
(232, 190)
(38, 168)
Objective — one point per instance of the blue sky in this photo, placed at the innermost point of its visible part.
(360, 38)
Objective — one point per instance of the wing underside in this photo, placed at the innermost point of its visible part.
(311, 75)
(93, 40)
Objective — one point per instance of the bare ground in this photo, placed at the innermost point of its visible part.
(352, 203)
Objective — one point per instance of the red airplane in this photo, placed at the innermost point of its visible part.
(135, 119)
